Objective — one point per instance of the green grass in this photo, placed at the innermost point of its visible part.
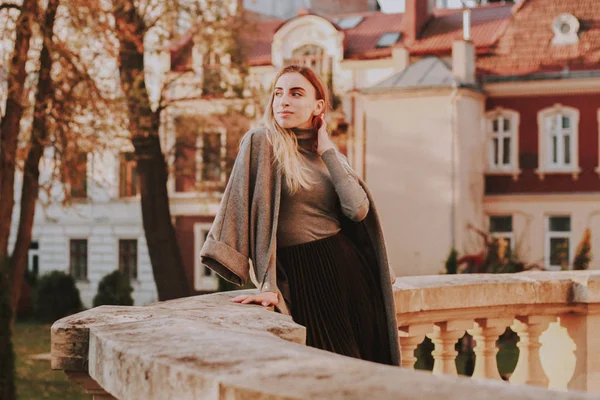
(35, 379)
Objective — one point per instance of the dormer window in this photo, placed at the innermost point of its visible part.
(388, 39)
(312, 56)
(565, 28)
(349, 22)
(213, 82)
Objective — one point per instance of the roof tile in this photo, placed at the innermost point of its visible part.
(526, 45)
(487, 23)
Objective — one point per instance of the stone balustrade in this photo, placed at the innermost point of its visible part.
(556, 316)
(206, 347)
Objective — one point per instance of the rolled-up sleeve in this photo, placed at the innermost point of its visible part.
(227, 247)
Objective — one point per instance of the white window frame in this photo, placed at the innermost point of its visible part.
(217, 59)
(202, 282)
(222, 154)
(554, 234)
(70, 266)
(513, 116)
(117, 189)
(545, 165)
(503, 235)
(31, 253)
(137, 267)
(322, 63)
(171, 143)
(87, 179)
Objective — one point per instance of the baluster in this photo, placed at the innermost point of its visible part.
(444, 337)
(410, 337)
(486, 333)
(584, 331)
(529, 367)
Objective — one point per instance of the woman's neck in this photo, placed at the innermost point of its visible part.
(306, 138)
(304, 133)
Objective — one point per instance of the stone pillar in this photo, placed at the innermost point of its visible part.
(529, 367)
(444, 337)
(486, 333)
(584, 329)
(410, 337)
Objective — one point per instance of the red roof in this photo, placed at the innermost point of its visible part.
(487, 24)
(510, 39)
(259, 38)
(181, 52)
(361, 41)
(526, 45)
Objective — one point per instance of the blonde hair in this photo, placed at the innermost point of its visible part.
(283, 140)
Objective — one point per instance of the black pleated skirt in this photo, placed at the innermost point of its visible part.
(337, 296)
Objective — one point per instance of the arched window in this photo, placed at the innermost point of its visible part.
(312, 56)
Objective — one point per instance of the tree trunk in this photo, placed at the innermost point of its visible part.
(39, 136)
(7, 356)
(10, 123)
(9, 133)
(165, 255)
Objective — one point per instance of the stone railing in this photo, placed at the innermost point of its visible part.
(206, 347)
(556, 316)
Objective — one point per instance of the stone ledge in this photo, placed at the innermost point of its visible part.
(207, 347)
(70, 335)
(445, 292)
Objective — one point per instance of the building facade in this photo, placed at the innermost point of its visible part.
(462, 121)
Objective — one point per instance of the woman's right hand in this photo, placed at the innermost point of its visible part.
(265, 299)
(324, 142)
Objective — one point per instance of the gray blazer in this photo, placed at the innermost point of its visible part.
(245, 228)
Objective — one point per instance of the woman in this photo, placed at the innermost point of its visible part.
(305, 236)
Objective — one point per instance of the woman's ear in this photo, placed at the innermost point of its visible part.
(320, 107)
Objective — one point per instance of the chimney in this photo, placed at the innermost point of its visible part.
(416, 15)
(463, 53)
(401, 58)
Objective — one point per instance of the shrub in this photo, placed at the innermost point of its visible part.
(583, 255)
(56, 296)
(114, 289)
(452, 262)
(496, 257)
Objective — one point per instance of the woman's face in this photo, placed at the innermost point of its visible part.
(294, 101)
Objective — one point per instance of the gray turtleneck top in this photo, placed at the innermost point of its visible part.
(312, 214)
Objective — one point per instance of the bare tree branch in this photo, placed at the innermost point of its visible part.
(9, 6)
